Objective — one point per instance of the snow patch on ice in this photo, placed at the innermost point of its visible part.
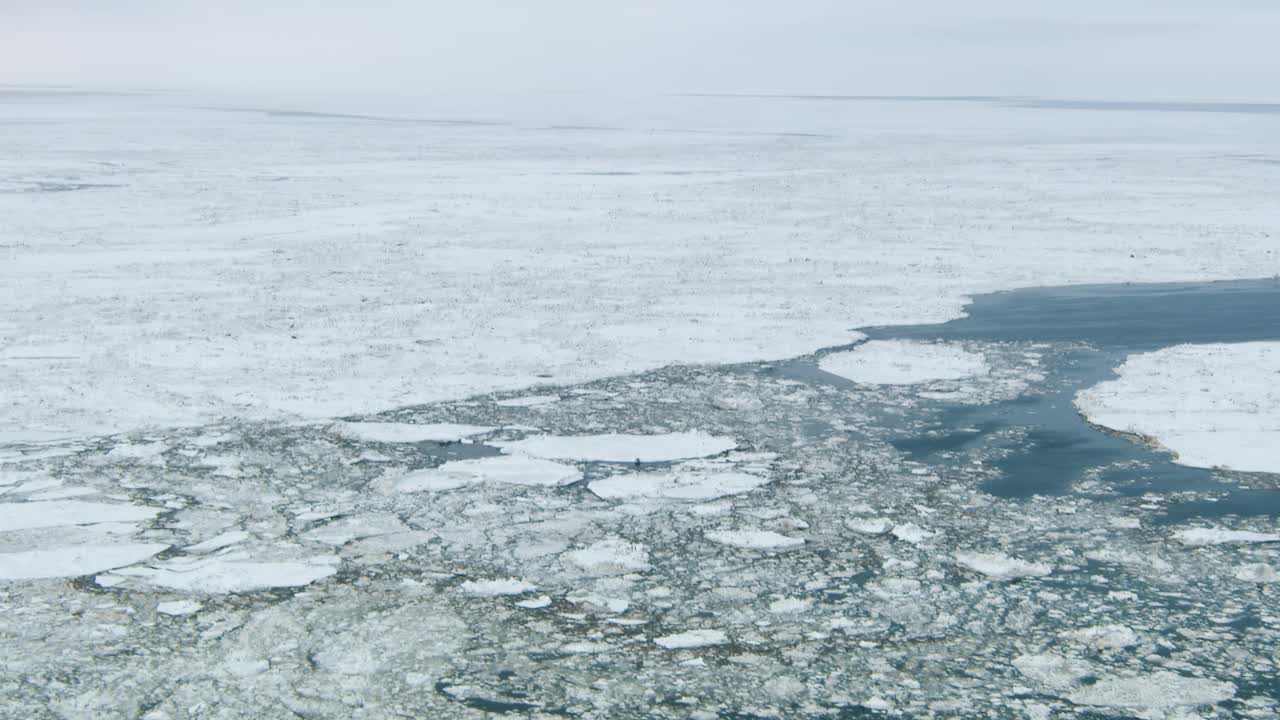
(904, 362)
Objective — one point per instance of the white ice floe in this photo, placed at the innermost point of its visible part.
(692, 639)
(1214, 405)
(912, 533)
(178, 608)
(397, 432)
(502, 469)
(536, 603)
(344, 530)
(1257, 572)
(1200, 537)
(613, 556)
(496, 587)
(528, 401)
(869, 526)
(690, 482)
(1001, 567)
(753, 539)
(74, 560)
(1103, 637)
(615, 447)
(232, 575)
(1053, 671)
(218, 542)
(904, 362)
(412, 323)
(787, 606)
(58, 513)
(1154, 691)
(585, 648)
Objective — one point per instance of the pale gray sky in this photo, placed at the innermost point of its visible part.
(1201, 49)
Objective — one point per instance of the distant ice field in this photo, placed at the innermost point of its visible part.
(170, 260)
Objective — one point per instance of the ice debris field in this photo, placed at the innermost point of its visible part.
(638, 419)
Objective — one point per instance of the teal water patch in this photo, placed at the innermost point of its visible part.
(1039, 442)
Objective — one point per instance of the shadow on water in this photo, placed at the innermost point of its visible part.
(1042, 444)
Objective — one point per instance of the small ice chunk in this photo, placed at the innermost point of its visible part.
(534, 603)
(528, 401)
(396, 432)
(904, 362)
(1001, 567)
(612, 556)
(496, 587)
(179, 607)
(869, 526)
(504, 469)
(73, 560)
(1199, 537)
(692, 639)
(1155, 691)
(585, 648)
(753, 539)
(59, 513)
(615, 447)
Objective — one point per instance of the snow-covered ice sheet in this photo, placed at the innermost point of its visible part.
(260, 265)
(618, 447)
(904, 362)
(1214, 405)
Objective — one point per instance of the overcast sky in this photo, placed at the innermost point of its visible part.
(1183, 49)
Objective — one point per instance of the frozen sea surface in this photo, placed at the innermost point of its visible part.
(477, 324)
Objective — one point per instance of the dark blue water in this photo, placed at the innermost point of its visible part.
(1042, 444)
